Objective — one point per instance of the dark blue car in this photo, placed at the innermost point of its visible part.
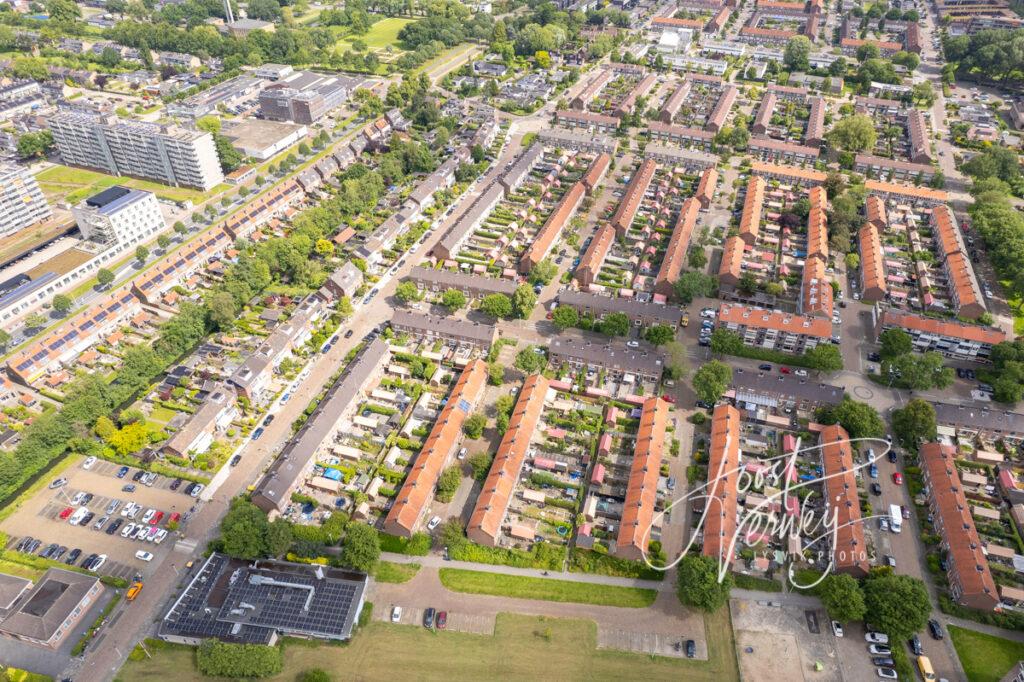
(122, 472)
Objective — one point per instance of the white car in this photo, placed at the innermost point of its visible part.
(433, 523)
(462, 453)
(876, 638)
(77, 517)
(879, 650)
(837, 628)
(800, 373)
(160, 535)
(100, 560)
(143, 556)
(148, 515)
(198, 489)
(89, 461)
(128, 530)
(396, 614)
(632, 344)
(77, 499)
(141, 531)
(887, 673)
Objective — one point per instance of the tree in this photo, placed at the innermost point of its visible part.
(448, 483)
(697, 583)
(495, 374)
(711, 380)
(914, 423)
(897, 604)
(523, 301)
(61, 303)
(543, 59)
(867, 51)
(614, 324)
(35, 145)
(895, 342)
(474, 425)
(180, 228)
(104, 276)
(698, 258)
(660, 334)
(34, 321)
(229, 157)
(691, 285)
(361, 547)
(795, 57)
(480, 463)
(222, 659)
(852, 260)
(453, 299)
(163, 241)
(825, 357)
(496, 305)
(920, 372)
(747, 284)
(5, 338)
(63, 11)
(407, 292)
(543, 272)
(324, 248)
(244, 530)
(842, 597)
(565, 316)
(223, 309)
(859, 419)
(141, 254)
(853, 133)
(344, 307)
(835, 184)
(529, 361)
(676, 360)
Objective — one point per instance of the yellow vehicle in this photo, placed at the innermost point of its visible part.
(925, 666)
(134, 590)
(685, 321)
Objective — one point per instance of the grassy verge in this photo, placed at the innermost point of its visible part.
(985, 658)
(753, 582)
(19, 675)
(479, 582)
(390, 572)
(586, 561)
(522, 648)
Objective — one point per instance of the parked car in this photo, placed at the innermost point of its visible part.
(269, 418)
(148, 516)
(176, 483)
(887, 673)
(892, 456)
(257, 433)
(880, 650)
(897, 478)
(915, 645)
(890, 560)
(89, 461)
(837, 628)
(65, 513)
(428, 617)
(235, 460)
(691, 648)
(99, 524)
(433, 523)
(58, 482)
(122, 472)
(764, 367)
(935, 629)
(87, 519)
(143, 556)
(197, 489)
(442, 620)
(112, 528)
(802, 373)
(129, 531)
(876, 638)
(396, 614)
(129, 488)
(137, 476)
(73, 557)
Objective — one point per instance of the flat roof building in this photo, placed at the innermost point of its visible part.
(305, 97)
(119, 215)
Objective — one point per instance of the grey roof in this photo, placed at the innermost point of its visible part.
(448, 327)
(601, 305)
(971, 417)
(254, 365)
(220, 398)
(289, 466)
(611, 355)
(687, 156)
(57, 594)
(575, 137)
(472, 216)
(462, 281)
(752, 384)
(11, 587)
(522, 166)
(347, 276)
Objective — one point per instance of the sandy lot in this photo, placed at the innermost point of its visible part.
(781, 645)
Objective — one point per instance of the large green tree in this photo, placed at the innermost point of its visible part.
(697, 583)
(361, 547)
(614, 324)
(895, 342)
(523, 301)
(853, 134)
(711, 380)
(914, 423)
(897, 604)
(453, 299)
(825, 357)
(859, 419)
(565, 316)
(496, 306)
(842, 597)
(796, 54)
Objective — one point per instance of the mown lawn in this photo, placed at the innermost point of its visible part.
(479, 582)
(390, 572)
(381, 34)
(985, 658)
(75, 184)
(522, 648)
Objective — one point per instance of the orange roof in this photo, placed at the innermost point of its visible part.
(552, 227)
(672, 21)
(776, 320)
(592, 178)
(874, 210)
(675, 254)
(760, 167)
(674, 102)
(639, 90)
(947, 328)
(947, 233)
(849, 555)
(965, 287)
(767, 32)
(816, 290)
(630, 203)
(642, 489)
(753, 203)
(723, 465)
(880, 44)
(418, 488)
(718, 115)
(936, 195)
(706, 187)
(968, 567)
(817, 234)
(485, 523)
(732, 260)
(603, 77)
(595, 254)
(872, 263)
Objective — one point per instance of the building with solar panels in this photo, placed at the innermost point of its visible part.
(256, 602)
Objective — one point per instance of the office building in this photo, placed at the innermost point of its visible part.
(119, 215)
(305, 97)
(166, 154)
(21, 201)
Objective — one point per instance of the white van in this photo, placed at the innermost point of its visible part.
(77, 517)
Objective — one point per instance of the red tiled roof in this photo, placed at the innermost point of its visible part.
(851, 550)
(723, 474)
(756, 318)
(642, 489)
(630, 203)
(949, 329)
(753, 204)
(675, 254)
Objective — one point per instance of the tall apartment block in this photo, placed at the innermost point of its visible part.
(167, 154)
(119, 215)
(21, 201)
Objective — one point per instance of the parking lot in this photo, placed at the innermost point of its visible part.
(40, 517)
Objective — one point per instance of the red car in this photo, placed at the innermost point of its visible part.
(897, 478)
(667, 398)
(442, 620)
(784, 370)
(156, 518)
(175, 517)
(66, 513)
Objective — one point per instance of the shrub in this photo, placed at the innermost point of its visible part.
(220, 659)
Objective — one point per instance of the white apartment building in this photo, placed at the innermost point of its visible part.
(167, 154)
(119, 215)
(21, 201)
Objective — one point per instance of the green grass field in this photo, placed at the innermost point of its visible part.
(522, 648)
(381, 35)
(75, 184)
(985, 658)
(390, 572)
(479, 582)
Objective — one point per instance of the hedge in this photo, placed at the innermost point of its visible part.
(220, 659)
(91, 632)
(586, 561)
(542, 555)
